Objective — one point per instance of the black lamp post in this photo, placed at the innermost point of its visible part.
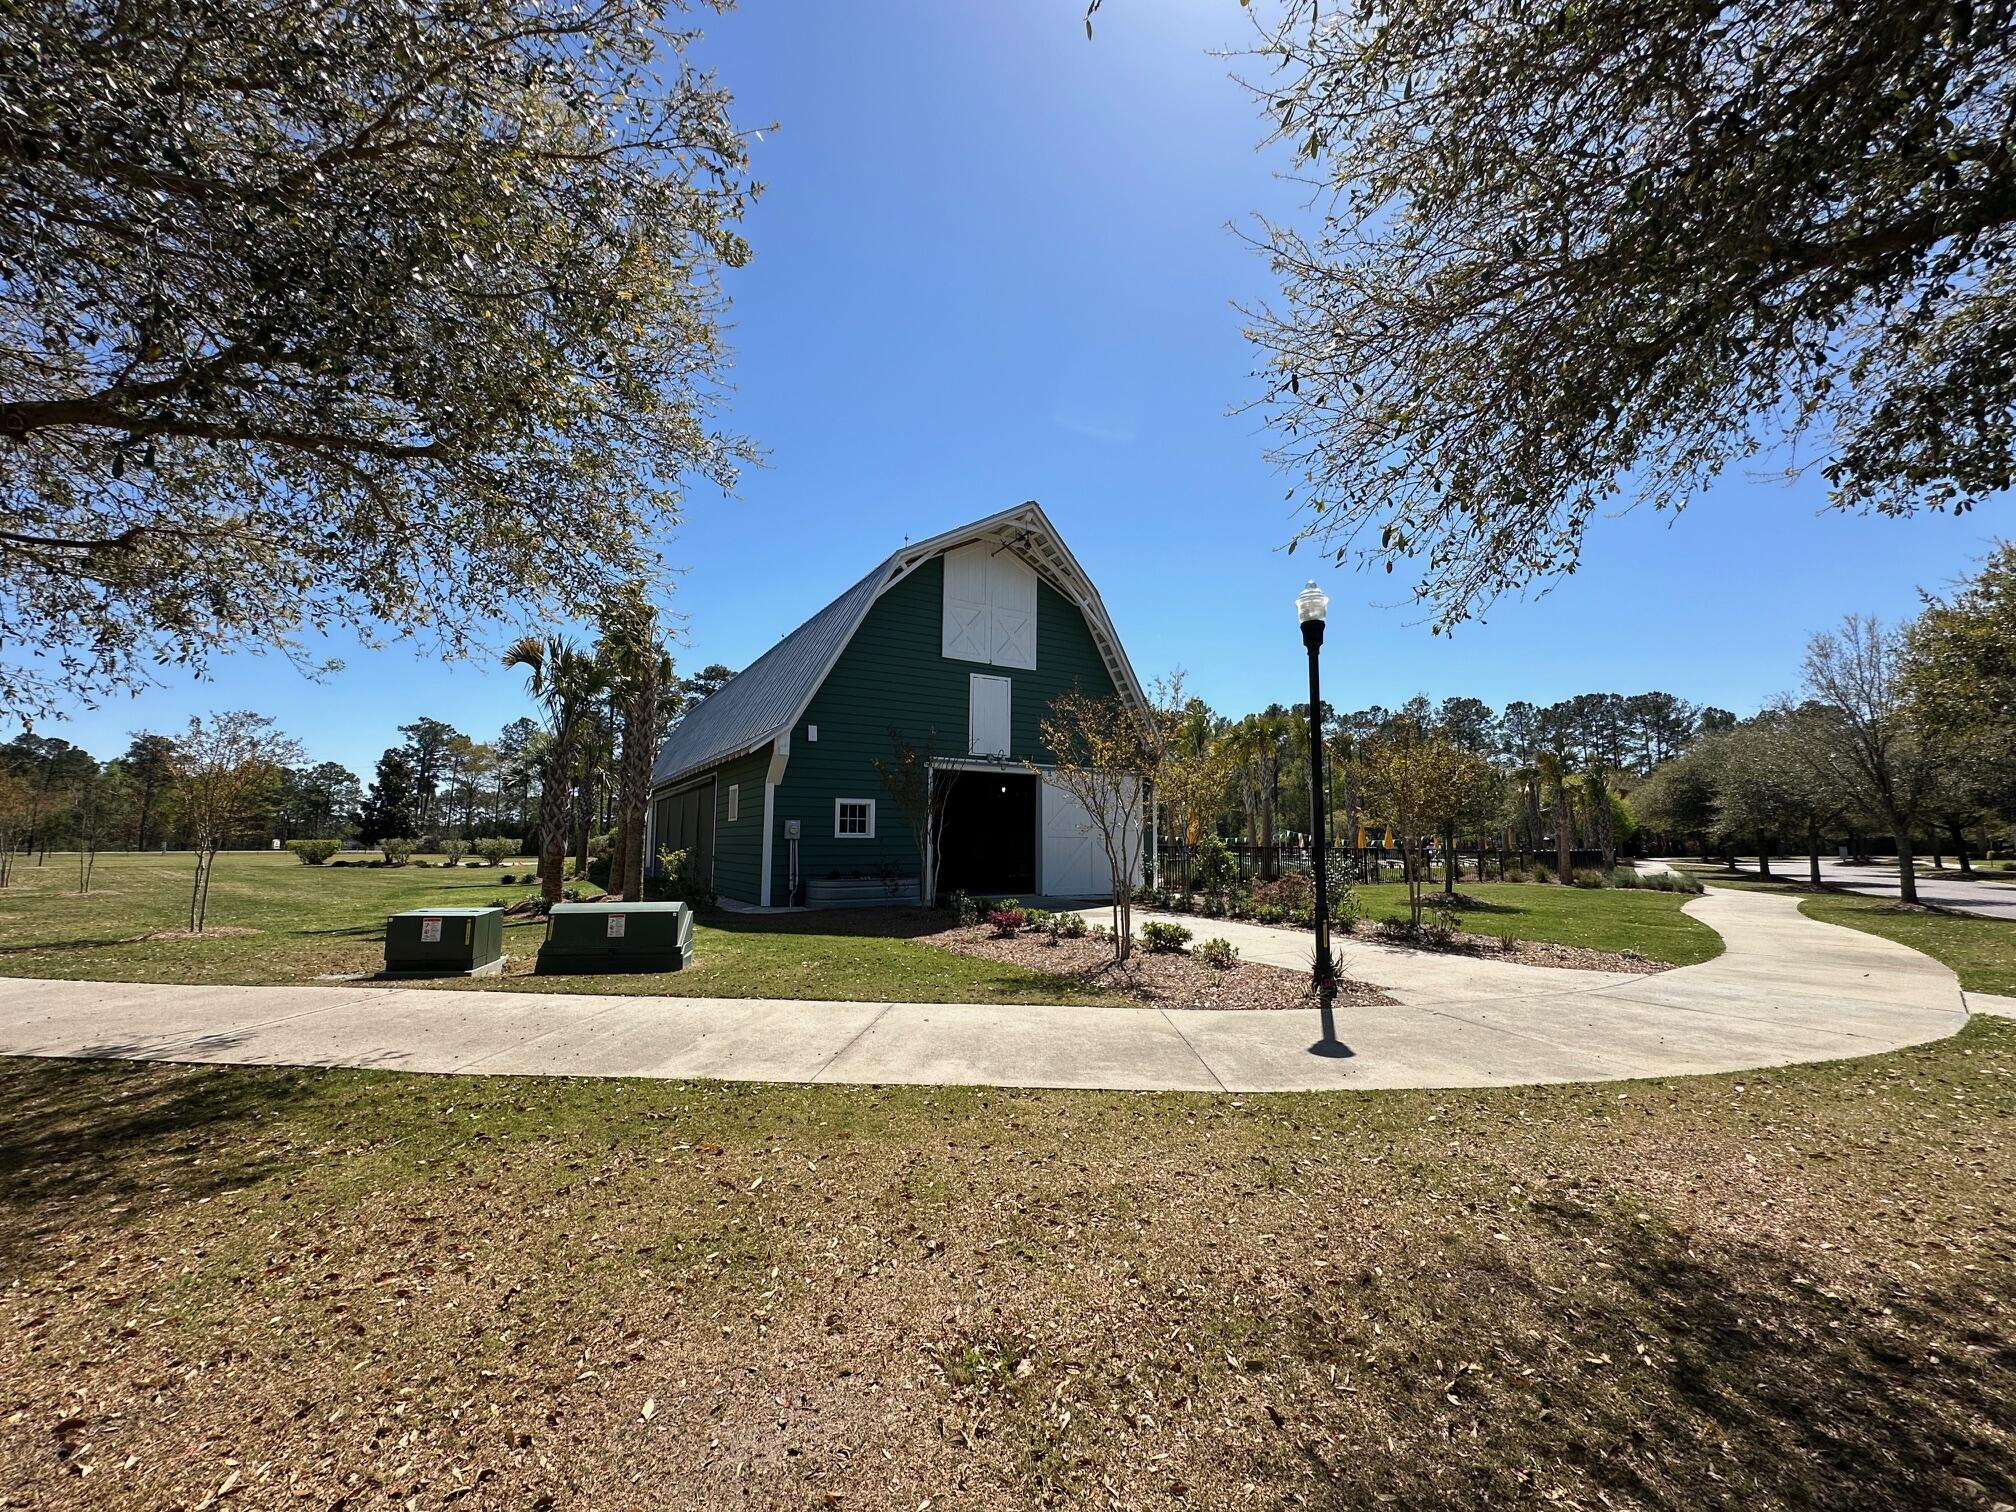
(1311, 604)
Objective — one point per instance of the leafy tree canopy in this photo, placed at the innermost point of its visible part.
(1960, 675)
(354, 314)
(1572, 257)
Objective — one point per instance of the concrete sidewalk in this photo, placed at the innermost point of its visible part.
(1787, 989)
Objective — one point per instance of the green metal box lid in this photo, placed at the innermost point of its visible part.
(445, 913)
(622, 908)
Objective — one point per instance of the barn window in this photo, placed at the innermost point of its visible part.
(734, 801)
(854, 818)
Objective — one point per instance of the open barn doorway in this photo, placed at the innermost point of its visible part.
(989, 834)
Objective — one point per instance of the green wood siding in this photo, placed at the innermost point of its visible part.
(738, 847)
(892, 676)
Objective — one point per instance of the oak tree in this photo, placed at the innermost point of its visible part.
(1570, 258)
(317, 315)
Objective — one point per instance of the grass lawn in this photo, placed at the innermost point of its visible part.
(1981, 952)
(317, 920)
(1601, 918)
(354, 1289)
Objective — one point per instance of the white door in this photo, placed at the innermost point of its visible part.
(988, 724)
(1074, 861)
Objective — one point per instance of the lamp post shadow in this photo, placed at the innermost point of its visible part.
(1328, 1045)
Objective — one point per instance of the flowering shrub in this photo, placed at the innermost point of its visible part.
(1007, 922)
(1293, 890)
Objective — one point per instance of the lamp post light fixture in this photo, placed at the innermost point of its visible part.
(1312, 604)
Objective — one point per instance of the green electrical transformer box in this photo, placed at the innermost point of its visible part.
(599, 937)
(443, 941)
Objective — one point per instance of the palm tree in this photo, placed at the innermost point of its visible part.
(1554, 768)
(567, 681)
(640, 679)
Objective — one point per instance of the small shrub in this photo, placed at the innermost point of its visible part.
(398, 851)
(1267, 913)
(1508, 943)
(1036, 918)
(1071, 926)
(1293, 890)
(1164, 938)
(1588, 876)
(1214, 868)
(1007, 922)
(964, 910)
(496, 850)
(1442, 923)
(1221, 954)
(1394, 929)
(454, 850)
(314, 852)
(599, 846)
(1518, 874)
(1009, 905)
(1678, 882)
(1345, 908)
(681, 868)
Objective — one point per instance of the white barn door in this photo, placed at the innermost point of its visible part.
(1073, 860)
(988, 727)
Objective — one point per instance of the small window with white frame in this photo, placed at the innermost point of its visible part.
(854, 818)
(734, 801)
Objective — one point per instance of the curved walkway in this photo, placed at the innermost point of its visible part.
(1786, 989)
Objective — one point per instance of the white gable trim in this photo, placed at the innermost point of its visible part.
(780, 753)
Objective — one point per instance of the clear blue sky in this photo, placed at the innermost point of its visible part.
(993, 263)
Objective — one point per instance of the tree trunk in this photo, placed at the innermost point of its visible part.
(1907, 872)
(1960, 850)
(553, 792)
(1449, 861)
(1562, 838)
(640, 732)
(583, 798)
(1763, 856)
(1813, 853)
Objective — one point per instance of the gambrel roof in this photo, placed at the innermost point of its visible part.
(770, 695)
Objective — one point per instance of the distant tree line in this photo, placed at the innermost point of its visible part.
(1525, 777)
(437, 784)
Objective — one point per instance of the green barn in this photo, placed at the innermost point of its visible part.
(957, 646)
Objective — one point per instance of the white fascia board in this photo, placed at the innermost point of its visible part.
(780, 753)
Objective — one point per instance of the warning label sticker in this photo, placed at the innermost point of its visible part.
(615, 926)
(430, 931)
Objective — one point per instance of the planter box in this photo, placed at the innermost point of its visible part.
(861, 892)
(445, 942)
(611, 937)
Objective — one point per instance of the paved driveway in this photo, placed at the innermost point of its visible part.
(1993, 900)
(1786, 989)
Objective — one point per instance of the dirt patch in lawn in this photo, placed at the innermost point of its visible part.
(1169, 979)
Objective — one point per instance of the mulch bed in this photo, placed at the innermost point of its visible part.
(1163, 980)
(1522, 953)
